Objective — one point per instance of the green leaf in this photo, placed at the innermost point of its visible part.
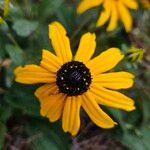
(145, 130)
(25, 27)
(15, 53)
(22, 97)
(3, 131)
(118, 116)
(4, 27)
(48, 7)
(137, 140)
(146, 109)
(5, 113)
(46, 135)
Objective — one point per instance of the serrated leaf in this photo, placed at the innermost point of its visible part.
(25, 27)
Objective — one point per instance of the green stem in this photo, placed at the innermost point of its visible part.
(12, 39)
(80, 27)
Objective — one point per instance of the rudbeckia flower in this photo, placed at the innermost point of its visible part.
(113, 10)
(146, 3)
(70, 83)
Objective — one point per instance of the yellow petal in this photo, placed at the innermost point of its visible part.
(60, 41)
(50, 62)
(105, 61)
(52, 106)
(71, 115)
(125, 16)
(114, 17)
(114, 80)
(31, 74)
(105, 14)
(132, 4)
(87, 4)
(46, 90)
(74, 119)
(66, 114)
(87, 46)
(112, 98)
(97, 115)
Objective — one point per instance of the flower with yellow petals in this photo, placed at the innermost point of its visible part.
(113, 10)
(146, 3)
(70, 83)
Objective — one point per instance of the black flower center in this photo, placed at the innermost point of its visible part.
(73, 78)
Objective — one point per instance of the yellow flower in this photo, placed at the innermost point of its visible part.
(146, 3)
(114, 10)
(71, 82)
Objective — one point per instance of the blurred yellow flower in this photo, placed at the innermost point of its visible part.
(146, 3)
(71, 82)
(6, 10)
(113, 10)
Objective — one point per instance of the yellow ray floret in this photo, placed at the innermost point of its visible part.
(113, 10)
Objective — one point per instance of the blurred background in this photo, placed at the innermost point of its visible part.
(24, 33)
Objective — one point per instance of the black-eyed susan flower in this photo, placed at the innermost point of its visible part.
(146, 3)
(70, 83)
(113, 10)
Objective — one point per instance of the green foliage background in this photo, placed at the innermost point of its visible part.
(23, 35)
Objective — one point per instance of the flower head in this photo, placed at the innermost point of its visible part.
(70, 83)
(113, 10)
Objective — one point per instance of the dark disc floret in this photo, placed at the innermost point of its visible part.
(73, 78)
